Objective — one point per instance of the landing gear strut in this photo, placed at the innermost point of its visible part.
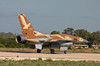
(38, 51)
(52, 51)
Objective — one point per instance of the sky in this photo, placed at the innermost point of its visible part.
(48, 15)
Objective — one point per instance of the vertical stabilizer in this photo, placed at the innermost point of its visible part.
(27, 28)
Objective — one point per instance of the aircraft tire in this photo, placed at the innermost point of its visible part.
(65, 52)
(38, 51)
(52, 51)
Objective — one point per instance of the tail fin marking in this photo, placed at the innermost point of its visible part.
(27, 28)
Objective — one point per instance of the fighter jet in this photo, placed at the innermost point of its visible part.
(39, 40)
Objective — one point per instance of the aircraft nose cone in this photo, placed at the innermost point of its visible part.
(85, 41)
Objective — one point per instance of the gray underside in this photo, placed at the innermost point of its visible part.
(63, 46)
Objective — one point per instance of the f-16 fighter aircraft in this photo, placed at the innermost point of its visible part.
(31, 36)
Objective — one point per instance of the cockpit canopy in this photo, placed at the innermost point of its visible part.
(70, 33)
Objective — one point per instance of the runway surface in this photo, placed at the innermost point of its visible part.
(19, 55)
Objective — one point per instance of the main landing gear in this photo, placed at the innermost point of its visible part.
(65, 52)
(52, 51)
(38, 51)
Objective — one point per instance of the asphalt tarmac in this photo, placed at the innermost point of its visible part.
(22, 55)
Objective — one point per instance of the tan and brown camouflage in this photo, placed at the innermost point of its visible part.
(33, 35)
